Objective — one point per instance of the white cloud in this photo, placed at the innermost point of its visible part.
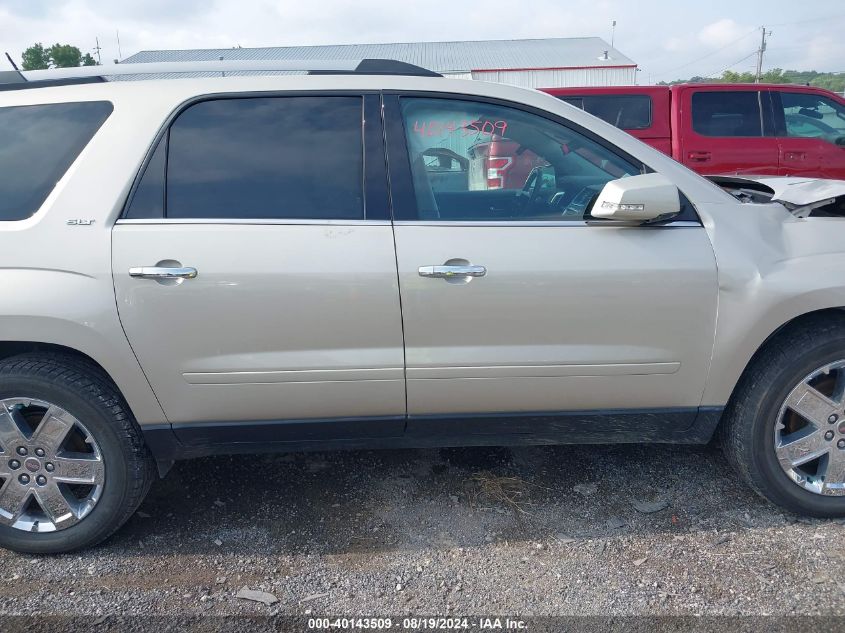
(199, 24)
(656, 34)
(822, 51)
(721, 33)
(679, 44)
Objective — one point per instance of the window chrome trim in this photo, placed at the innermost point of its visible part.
(252, 221)
(567, 223)
(485, 223)
(164, 128)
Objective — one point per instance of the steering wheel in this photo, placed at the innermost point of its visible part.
(530, 192)
(798, 120)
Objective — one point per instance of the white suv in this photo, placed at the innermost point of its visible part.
(257, 262)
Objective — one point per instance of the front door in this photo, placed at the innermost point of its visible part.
(810, 133)
(512, 301)
(262, 287)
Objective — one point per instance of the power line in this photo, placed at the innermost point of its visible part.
(739, 39)
(826, 17)
(710, 54)
(739, 61)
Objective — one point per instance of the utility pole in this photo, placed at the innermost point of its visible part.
(760, 52)
(97, 50)
(612, 33)
(119, 52)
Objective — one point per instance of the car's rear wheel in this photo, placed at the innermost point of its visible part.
(784, 429)
(72, 460)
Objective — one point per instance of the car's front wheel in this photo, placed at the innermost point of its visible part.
(784, 429)
(73, 463)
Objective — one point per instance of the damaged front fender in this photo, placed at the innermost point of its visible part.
(802, 197)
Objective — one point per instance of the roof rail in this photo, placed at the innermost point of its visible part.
(18, 80)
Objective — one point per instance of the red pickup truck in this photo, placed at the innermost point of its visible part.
(783, 130)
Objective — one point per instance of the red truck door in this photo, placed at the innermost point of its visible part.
(724, 129)
(810, 129)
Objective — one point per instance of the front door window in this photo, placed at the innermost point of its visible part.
(474, 161)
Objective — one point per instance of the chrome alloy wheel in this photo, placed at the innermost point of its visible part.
(51, 467)
(810, 432)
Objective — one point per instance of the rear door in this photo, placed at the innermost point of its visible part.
(810, 133)
(724, 131)
(282, 303)
(532, 308)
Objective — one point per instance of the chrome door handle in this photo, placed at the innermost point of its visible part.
(159, 272)
(448, 272)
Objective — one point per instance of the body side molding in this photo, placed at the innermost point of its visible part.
(686, 425)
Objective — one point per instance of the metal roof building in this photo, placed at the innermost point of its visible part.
(533, 63)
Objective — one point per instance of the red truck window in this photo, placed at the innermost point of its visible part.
(628, 112)
(813, 116)
(727, 113)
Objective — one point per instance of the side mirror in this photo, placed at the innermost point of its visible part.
(638, 199)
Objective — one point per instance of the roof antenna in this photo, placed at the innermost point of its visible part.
(12, 62)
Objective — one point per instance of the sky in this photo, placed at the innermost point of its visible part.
(667, 39)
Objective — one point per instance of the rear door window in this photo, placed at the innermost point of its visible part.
(267, 158)
(148, 199)
(38, 144)
(727, 113)
(628, 112)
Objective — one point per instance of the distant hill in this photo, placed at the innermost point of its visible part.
(829, 81)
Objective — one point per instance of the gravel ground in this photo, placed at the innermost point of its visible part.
(572, 530)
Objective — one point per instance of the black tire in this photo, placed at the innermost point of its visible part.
(748, 426)
(82, 389)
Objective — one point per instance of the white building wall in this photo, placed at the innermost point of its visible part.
(457, 75)
(564, 78)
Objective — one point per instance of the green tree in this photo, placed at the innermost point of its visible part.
(773, 76)
(829, 81)
(64, 56)
(36, 57)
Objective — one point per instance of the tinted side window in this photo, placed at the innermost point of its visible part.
(813, 116)
(479, 161)
(148, 199)
(628, 112)
(268, 157)
(37, 145)
(727, 113)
